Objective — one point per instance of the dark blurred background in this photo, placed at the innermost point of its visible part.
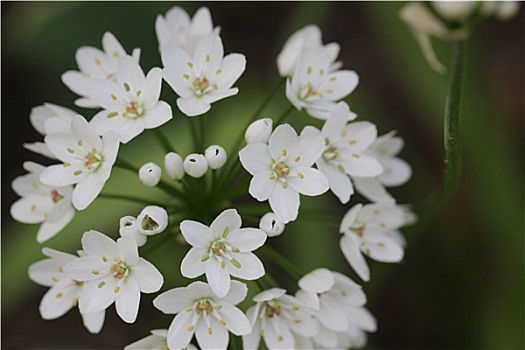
(461, 283)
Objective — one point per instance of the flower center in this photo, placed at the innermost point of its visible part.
(134, 109)
(218, 248)
(273, 310)
(204, 307)
(281, 169)
(331, 153)
(56, 197)
(119, 270)
(200, 84)
(359, 230)
(92, 160)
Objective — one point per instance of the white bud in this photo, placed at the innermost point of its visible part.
(149, 174)
(259, 131)
(173, 165)
(454, 10)
(271, 225)
(129, 228)
(216, 156)
(152, 220)
(195, 165)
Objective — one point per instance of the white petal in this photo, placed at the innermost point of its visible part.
(196, 234)
(218, 277)
(193, 106)
(158, 115)
(192, 265)
(340, 184)
(252, 340)
(228, 218)
(237, 292)
(148, 278)
(251, 267)
(284, 138)
(97, 296)
(361, 165)
(218, 339)
(236, 321)
(308, 150)
(81, 269)
(98, 244)
(255, 158)
(246, 239)
(350, 249)
(380, 247)
(178, 334)
(309, 181)
(285, 203)
(350, 218)
(174, 300)
(396, 172)
(332, 315)
(262, 186)
(127, 300)
(371, 188)
(233, 65)
(58, 300)
(317, 281)
(128, 250)
(152, 87)
(344, 83)
(85, 132)
(94, 321)
(86, 191)
(49, 229)
(59, 175)
(277, 337)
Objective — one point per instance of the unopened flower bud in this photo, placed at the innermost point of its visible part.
(259, 131)
(271, 225)
(216, 156)
(455, 11)
(149, 174)
(129, 228)
(173, 165)
(152, 220)
(195, 165)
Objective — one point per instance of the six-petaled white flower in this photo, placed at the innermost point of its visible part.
(49, 205)
(130, 102)
(275, 317)
(221, 250)
(315, 87)
(202, 313)
(115, 274)
(87, 161)
(344, 156)
(370, 229)
(63, 292)
(202, 77)
(178, 29)
(283, 169)
(95, 64)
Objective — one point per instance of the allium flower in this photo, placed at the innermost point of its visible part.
(177, 28)
(95, 64)
(395, 170)
(149, 174)
(64, 291)
(157, 340)
(130, 101)
(87, 161)
(46, 119)
(259, 131)
(49, 205)
(215, 156)
(369, 229)
(221, 250)
(315, 87)
(202, 77)
(271, 225)
(129, 228)
(201, 312)
(195, 165)
(344, 154)
(275, 317)
(173, 165)
(283, 169)
(303, 39)
(115, 273)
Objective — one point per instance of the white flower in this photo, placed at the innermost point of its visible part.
(395, 170)
(200, 312)
(259, 131)
(149, 174)
(305, 38)
(315, 87)
(202, 77)
(130, 102)
(454, 11)
(271, 225)
(152, 220)
(367, 229)
(275, 317)
(49, 205)
(344, 156)
(46, 119)
(129, 228)
(95, 64)
(64, 291)
(195, 165)
(177, 28)
(173, 165)
(156, 341)
(115, 273)
(221, 250)
(87, 161)
(503, 10)
(215, 156)
(283, 169)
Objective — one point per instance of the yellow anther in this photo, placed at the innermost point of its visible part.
(97, 62)
(66, 164)
(190, 328)
(376, 212)
(126, 87)
(115, 54)
(343, 134)
(308, 70)
(284, 153)
(297, 159)
(218, 71)
(381, 244)
(71, 150)
(321, 71)
(190, 309)
(207, 58)
(329, 91)
(79, 143)
(54, 279)
(95, 272)
(333, 78)
(104, 259)
(295, 308)
(300, 175)
(101, 284)
(218, 307)
(215, 87)
(261, 333)
(223, 264)
(33, 207)
(223, 321)
(59, 295)
(113, 97)
(355, 155)
(74, 302)
(190, 64)
(60, 269)
(35, 185)
(117, 289)
(353, 142)
(210, 331)
(139, 93)
(186, 76)
(280, 338)
(297, 321)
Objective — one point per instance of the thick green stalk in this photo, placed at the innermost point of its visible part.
(163, 140)
(276, 257)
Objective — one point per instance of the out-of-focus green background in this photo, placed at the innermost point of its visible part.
(461, 283)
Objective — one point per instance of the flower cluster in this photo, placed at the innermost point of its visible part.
(334, 153)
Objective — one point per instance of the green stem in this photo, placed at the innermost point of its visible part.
(433, 204)
(284, 116)
(163, 140)
(276, 257)
(131, 198)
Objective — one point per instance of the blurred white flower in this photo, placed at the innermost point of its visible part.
(95, 64)
(87, 161)
(202, 313)
(48, 205)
